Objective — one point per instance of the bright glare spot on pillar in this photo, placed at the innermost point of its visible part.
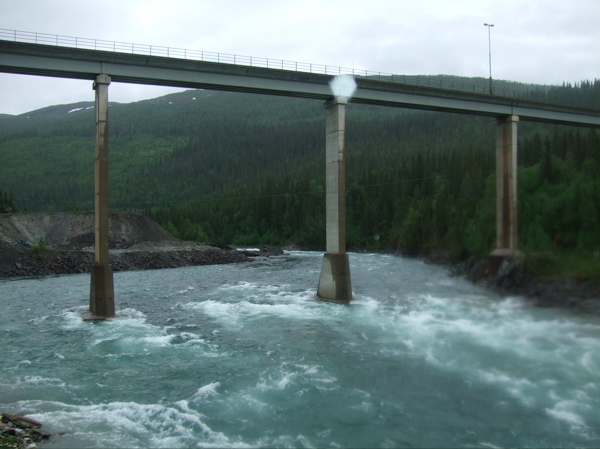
(343, 86)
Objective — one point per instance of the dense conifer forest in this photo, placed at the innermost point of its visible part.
(247, 169)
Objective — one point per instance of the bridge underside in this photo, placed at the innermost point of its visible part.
(335, 282)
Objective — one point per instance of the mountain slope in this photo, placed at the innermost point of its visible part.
(247, 169)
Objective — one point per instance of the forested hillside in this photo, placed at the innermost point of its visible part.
(249, 169)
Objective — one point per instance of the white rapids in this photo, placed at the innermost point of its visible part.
(246, 356)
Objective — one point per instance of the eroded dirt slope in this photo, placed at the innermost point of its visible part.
(76, 230)
(136, 242)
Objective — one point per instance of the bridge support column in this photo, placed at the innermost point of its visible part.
(334, 283)
(506, 194)
(102, 297)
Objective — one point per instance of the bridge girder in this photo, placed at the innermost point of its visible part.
(66, 62)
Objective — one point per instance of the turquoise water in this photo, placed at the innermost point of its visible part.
(244, 356)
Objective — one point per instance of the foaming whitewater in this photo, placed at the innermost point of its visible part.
(246, 356)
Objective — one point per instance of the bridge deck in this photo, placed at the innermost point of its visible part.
(77, 63)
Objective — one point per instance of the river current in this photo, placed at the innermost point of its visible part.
(245, 356)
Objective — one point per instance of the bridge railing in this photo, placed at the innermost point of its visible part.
(441, 82)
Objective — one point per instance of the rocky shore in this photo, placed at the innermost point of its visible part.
(17, 262)
(47, 244)
(513, 278)
(20, 432)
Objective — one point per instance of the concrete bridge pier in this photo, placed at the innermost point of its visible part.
(102, 297)
(506, 194)
(334, 283)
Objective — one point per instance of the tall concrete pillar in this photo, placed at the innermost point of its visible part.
(334, 283)
(506, 193)
(102, 302)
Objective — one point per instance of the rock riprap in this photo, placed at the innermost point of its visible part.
(21, 432)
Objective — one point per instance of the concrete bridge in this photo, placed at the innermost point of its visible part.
(105, 62)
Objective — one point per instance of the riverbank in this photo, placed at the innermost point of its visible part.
(514, 278)
(61, 243)
(18, 262)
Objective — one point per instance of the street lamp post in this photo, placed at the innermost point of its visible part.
(489, 27)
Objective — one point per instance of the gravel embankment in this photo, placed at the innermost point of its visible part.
(17, 262)
(61, 243)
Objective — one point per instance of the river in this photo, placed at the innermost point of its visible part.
(245, 356)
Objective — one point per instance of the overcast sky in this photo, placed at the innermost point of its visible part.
(539, 41)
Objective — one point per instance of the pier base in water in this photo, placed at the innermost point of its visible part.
(335, 284)
(102, 293)
(500, 256)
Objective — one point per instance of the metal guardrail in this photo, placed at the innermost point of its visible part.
(226, 58)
